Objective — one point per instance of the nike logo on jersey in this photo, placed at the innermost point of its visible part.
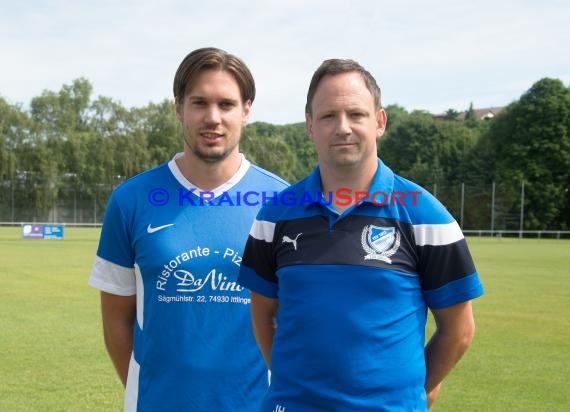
(150, 229)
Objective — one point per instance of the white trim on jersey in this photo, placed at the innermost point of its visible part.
(437, 235)
(225, 187)
(132, 388)
(140, 296)
(112, 278)
(262, 230)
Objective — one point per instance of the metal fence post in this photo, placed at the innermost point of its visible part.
(522, 211)
(462, 200)
(493, 208)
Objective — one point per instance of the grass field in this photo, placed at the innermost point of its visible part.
(52, 356)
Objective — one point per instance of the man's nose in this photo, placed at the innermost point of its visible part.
(213, 114)
(343, 125)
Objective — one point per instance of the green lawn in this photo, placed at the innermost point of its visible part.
(52, 355)
(520, 357)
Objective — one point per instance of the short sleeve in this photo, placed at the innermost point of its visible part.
(113, 270)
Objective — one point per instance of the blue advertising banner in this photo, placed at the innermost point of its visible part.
(42, 231)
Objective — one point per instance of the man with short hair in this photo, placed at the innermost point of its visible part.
(340, 290)
(176, 323)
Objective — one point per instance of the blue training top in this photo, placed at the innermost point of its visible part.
(353, 293)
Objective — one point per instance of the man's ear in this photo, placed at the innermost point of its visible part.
(381, 121)
(246, 111)
(309, 125)
(178, 104)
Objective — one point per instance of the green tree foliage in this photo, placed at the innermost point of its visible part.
(412, 148)
(434, 153)
(396, 115)
(451, 114)
(285, 150)
(14, 132)
(162, 130)
(69, 147)
(531, 142)
(271, 153)
(471, 118)
(60, 114)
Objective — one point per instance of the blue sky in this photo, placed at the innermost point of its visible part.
(425, 55)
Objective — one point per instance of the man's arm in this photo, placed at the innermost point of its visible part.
(119, 313)
(263, 311)
(454, 332)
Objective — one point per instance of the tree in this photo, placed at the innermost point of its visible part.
(59, 114)
(271, 153)
(410, 148)
(14, 127)
(294, 154)
(471, 117)
(395, 114)
(163, 131)
(532, 143)
(14, 132)
(452, 114)
(68, 146)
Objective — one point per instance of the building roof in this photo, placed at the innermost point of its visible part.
(481, 114)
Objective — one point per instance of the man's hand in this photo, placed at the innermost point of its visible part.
(454, 332)
(432, 395)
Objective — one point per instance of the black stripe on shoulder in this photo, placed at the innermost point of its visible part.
(258, 256)
(442, 264)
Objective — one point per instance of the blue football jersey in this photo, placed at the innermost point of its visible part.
(179, 250)
(353, 292)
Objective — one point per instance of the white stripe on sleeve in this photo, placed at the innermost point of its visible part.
(262, 230)
(437, 235)
(112, 278)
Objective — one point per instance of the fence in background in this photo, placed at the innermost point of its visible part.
(480, 209)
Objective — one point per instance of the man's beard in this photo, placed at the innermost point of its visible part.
(209, 157)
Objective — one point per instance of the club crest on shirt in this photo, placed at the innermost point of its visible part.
(380, 243)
